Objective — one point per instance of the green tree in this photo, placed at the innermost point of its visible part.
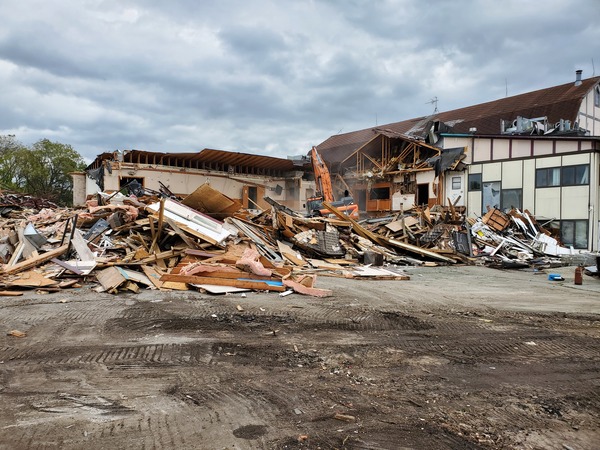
(44, 170)
(11, 153)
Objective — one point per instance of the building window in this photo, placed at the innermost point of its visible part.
(455, 182)
(380, 193)
(574, 233)
(511, 198)
(474, 182)
(490, 194)
(597, 96)
(575, 175)
(547, 177)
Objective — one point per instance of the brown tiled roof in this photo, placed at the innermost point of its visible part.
(558, 102)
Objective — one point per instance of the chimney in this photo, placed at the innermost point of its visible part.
(578, 77)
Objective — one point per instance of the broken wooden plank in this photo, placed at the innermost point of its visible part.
(211, 201)
(40, 259)
(421, 251)
(261, 285)
(324, 264)
(10, 293)
(173, 285)
(16, 256)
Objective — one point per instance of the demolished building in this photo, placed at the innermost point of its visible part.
(245, 178)
(537, 151)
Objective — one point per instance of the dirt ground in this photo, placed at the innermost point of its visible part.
(455, 358)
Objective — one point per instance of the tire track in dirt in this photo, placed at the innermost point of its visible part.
(44, 313)
(178, 354)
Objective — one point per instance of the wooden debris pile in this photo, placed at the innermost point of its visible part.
(128, 243)
(516, 240)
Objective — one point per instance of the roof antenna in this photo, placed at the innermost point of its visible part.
(376, 119)
(593, 68)
(433, 101)
(506, 85)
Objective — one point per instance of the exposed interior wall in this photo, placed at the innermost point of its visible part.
(428, 177)
(91, 187)
(183, 182)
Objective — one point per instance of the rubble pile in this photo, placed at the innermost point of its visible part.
(516, 240)
(206, 241)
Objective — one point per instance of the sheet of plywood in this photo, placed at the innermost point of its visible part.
(138, 277)
(292, 256)
(396, 225)
(110, 278)
(33, 279)
(208, 200)
(321, 264)
(153, 275)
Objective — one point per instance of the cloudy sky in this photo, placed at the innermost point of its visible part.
(270, 77)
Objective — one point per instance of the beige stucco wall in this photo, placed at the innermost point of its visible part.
(182, 182)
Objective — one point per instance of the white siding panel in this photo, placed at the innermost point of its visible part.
(474, 203)
(529, 184)
(571, 160)
(491, 172)
(482, 151)
(575, 202)
(475, 168)
(512, 175)
(547, 202)
(543, 163)
(501, 149)
(566, 146)
(542, 148)
(521, 149)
